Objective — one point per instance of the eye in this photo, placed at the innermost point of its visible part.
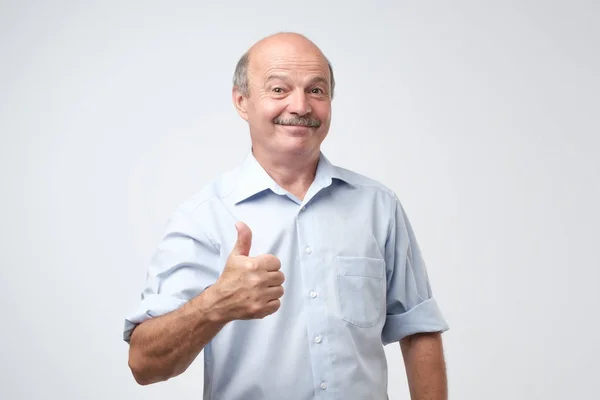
(317, 91)
(277, 90)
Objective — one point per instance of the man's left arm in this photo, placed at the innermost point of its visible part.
(413, 316)
(425, 366)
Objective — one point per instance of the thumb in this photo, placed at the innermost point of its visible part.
(244, 240)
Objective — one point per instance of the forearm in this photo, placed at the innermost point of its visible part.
(164, 347)
(425, 366)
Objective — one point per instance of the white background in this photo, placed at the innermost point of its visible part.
(482, 116)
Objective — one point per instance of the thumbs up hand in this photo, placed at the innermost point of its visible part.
(249, 287)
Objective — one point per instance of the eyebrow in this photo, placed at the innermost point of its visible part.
(315, 80)
(276, 76)
(319, 79)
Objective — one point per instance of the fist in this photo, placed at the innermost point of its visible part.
(249, 287)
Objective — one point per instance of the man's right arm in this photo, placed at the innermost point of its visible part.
(164, 347)
(248, 288)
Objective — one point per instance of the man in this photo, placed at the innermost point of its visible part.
(290, 273)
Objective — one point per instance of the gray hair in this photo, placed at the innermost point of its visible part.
(240, 76)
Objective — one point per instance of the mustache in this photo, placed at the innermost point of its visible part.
(309, 122)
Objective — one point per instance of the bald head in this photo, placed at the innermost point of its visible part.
(281, 45)
(285, 43)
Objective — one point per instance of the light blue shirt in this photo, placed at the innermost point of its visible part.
(355, 281)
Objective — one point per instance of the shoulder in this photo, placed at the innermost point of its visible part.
(364, 182)
(211, 193)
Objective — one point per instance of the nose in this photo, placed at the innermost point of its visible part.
(298, 103)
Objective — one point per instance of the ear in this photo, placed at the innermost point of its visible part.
(240, 102)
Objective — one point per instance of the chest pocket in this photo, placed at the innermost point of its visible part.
(360, 289)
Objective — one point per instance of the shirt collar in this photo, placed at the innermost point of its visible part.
(254, 179)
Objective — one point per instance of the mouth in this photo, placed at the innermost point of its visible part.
(297, 129)
(296, 126)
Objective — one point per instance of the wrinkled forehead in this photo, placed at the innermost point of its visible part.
(287, 58)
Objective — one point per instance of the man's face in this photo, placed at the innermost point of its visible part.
(289, 108)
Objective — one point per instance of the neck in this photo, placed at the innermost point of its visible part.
(294, 173)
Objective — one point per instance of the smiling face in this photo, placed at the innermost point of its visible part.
(288, 108)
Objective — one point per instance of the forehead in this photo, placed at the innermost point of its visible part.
(299, 59)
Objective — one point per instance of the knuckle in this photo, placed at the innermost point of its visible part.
(254, 280)
(255, 309)
(250, 264)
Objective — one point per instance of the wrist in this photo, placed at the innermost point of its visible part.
(210, 306)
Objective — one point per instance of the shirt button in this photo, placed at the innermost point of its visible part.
(323, 385)
(313, 294)
(308, 250)
(303, 208)
(318, 339)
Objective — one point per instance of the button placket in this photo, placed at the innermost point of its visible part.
(316, 294)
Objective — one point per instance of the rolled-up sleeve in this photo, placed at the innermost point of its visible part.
(183, 265)
(411, 307)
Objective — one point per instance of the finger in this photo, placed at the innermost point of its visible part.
(268, 262)
(272, 306)
(275, 278)
(244, 240)
(273, 293)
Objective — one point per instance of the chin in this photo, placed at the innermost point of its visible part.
(298, 145)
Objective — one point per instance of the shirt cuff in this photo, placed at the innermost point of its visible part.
(151, 306)
(425, 317)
